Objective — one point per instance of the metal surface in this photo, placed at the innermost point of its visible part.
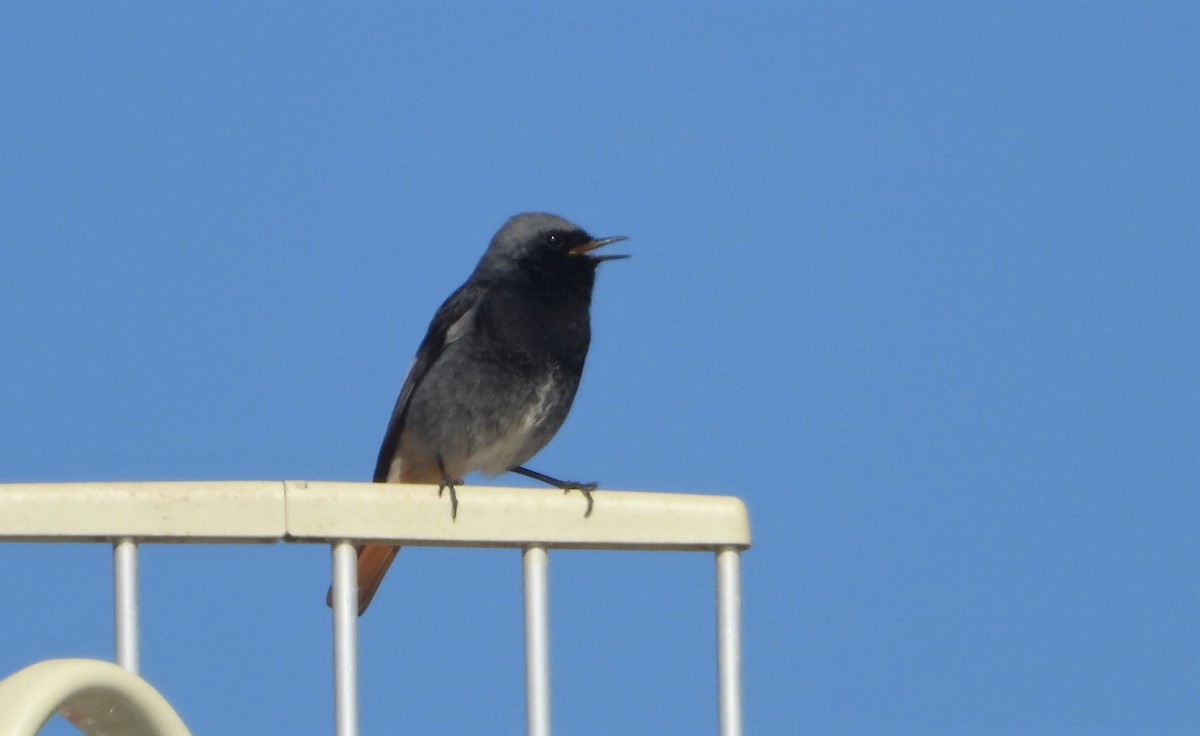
(184, 511)
(412, 514)
(321, 511)
(729, 642)
(345, 639)
(125, 605)
(536, 563)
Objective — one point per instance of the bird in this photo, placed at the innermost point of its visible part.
(497, 371)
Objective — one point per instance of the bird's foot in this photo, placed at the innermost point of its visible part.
(445, 483)
(584, 488)
(448, 484)
(566, 485)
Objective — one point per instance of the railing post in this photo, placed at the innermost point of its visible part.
(345, 639)
(729, 642)
(125, 604)
(535, 563)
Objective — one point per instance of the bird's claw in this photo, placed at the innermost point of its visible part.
(566, 485)
(448, 484)
(584, 488)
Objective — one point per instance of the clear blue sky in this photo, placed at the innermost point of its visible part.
(917, 281)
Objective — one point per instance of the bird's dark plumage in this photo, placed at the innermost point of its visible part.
(497, 371)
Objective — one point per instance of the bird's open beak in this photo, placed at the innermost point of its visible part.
(580, 250)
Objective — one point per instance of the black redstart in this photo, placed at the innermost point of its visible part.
(495, 376)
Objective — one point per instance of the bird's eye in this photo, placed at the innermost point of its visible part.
(552, 239)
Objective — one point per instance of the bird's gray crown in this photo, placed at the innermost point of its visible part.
(526, 229)
(532, 242)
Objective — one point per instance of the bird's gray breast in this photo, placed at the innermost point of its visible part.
(525, 425)
(500, 389)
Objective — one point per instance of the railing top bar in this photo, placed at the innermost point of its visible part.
(492, 516)
(233, 511)
(319, 511)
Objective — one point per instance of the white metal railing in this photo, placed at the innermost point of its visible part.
(344, 514)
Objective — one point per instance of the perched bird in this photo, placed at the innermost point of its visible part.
(495, 376)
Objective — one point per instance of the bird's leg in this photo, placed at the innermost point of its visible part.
(447, 483)
(566, 485)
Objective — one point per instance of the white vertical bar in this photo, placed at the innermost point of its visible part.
(345, 639)
(536, 564)
(729, 642)
(125, 604)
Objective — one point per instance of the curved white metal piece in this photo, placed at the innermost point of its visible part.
(98, 698)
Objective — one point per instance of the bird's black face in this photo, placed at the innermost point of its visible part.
(547, 247)
(561, 260)
(560, 242)
(577, 244)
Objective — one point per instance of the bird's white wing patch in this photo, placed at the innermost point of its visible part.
(536, 412)
(460, 326)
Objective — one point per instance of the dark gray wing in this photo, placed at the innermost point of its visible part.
(451, 321)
